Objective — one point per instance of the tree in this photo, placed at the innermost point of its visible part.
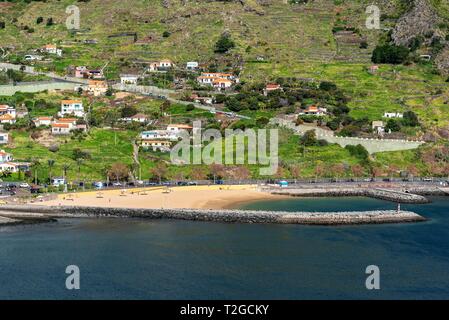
(358, 151)
(309, 138)
(319, 169)
(390, 54)
(327, 86)
(35, 164)
(242, 173)
(39, 20)
(392, 125)
(198, 173)
(224, 44)
(79, 162)
(412, 171)
(65, 168)
(164, 106)
(357, 170)
(216, 170)
(119, 171)
(410, 119)
(50, 22)
(295, 171)
(160, 171)
(129, 111)
(51, 164)
(77, 154)
(338, 170)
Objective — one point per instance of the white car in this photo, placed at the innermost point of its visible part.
(24, 185)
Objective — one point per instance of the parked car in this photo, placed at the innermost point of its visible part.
(117, 184)
(192, 183)
(182, 183)
(24, 185)
(98, 185)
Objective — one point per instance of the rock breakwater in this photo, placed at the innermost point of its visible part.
(229, 216)
(383, 194)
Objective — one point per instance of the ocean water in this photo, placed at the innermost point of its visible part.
(150, 259)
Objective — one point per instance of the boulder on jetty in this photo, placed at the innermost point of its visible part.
(230, 216)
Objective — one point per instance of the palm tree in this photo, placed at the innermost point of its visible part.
(65, 168)
(35, 165)
(51, 164)
(79, 162)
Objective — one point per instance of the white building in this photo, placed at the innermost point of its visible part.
(97, 87)
(63, 126)
(176, 129)
(156, 145)
(158, 134)
(57, 181)
(69, 107)
(393, 115)
(192, 65)
(42, 121)
(52, 49)
(378, 127)
(7, 163)
(4, 137)
(7, 114)
(5, 156)
(218, 80)
(128, 79)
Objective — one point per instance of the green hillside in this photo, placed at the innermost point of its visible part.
(321, 40)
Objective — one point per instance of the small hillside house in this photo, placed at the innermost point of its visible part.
(4, 137)
(97, 87)
(378, 127)
(42, 121)
(69, 107)
(156, 145)
(52, 49)
(128, 79)
(192, 65)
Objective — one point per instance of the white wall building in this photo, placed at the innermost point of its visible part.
(4, 137)
(393, 115)
(69, 107)
(128, 79)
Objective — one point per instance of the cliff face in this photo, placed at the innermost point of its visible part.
(419, 21)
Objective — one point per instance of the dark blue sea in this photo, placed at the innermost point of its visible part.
(150, 259)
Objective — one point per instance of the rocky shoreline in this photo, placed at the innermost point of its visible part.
(228, 216)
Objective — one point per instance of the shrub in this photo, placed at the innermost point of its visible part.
(224, 44)
(390, 54)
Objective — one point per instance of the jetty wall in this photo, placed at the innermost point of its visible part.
(383, 194)
(228, 216)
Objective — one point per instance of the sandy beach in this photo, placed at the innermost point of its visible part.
(186, 197)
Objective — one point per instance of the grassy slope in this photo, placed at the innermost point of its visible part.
(295, 41)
